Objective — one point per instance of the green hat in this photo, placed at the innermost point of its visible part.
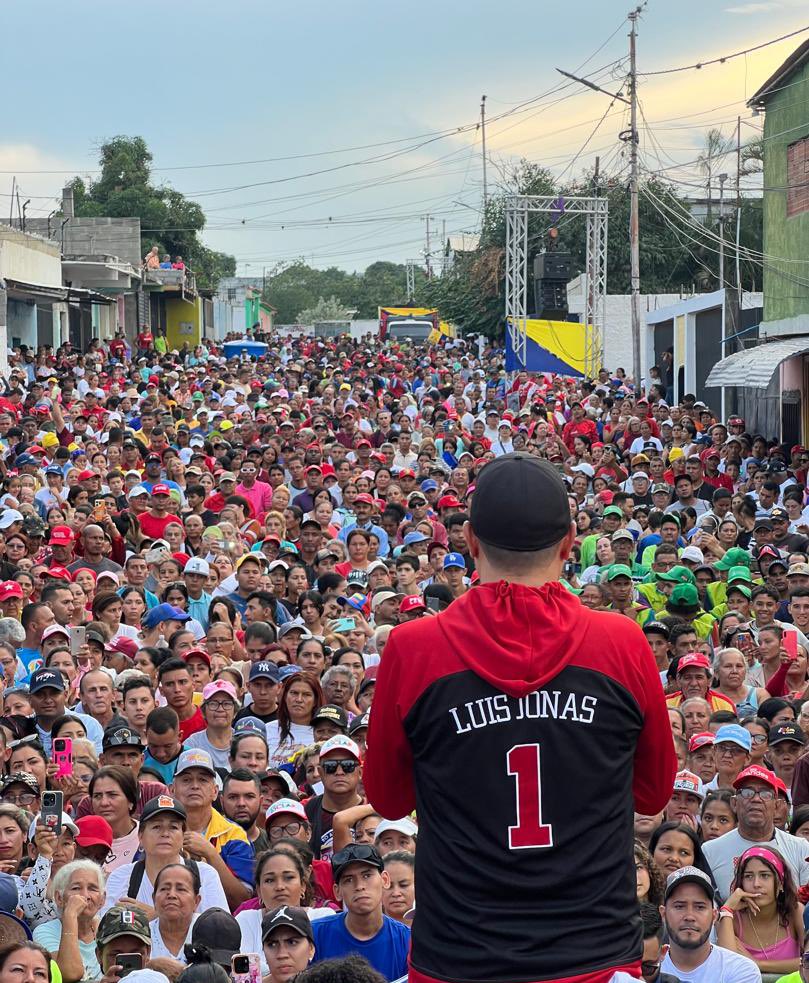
(573, 590)
(618, 570)
(612, 510)
(678, 575)
(735, 557)
(671, 517)
(740, 573)
(198, 397)
(684, 599)
(741, 589)
(121, 920)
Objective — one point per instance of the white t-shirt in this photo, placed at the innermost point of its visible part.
(212, 894)
(250, 924)
(723, 853)
(721, 966)
(299, 737)
(159, 948)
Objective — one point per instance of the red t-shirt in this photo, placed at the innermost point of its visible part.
(154, 526)
(194, 724)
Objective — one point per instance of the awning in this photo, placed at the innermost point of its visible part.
(754, 367)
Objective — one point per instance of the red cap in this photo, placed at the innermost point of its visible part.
(755, 773)
(62, 536)
(412, 603)
(154, 380)
(196, 654)
(124, 645)
(363, 443)
(407, 473)
(181, 558)
(693, 660)
(9, 589)
(94, 831)
(314, 467)
(57, 572)
(161, 490)
(328, 471)
(34, 449)
(86, 475)
(709, 452)
(449, 502)
(700, 740)
(365, 498)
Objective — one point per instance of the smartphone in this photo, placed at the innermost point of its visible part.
(433, 603)
(100, 511)
(51, 813)
(130, 962)
(78, 638)
(344, 624)
(245, 968)
(62, 754)
(742, 637)
(790, 642)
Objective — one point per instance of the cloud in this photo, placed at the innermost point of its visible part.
(42, 188)
(753, 8)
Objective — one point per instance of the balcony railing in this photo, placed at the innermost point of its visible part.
(174, 281)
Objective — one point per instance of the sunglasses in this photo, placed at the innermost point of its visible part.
(349, 766)
(354, 851)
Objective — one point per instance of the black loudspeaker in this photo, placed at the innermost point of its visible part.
(552, 266)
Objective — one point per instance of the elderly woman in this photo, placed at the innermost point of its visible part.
(78, 890)
(50, 854)
(176, 898)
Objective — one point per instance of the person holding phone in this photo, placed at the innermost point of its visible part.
(124, 939)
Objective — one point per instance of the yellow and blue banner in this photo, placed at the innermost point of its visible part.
(551, 346)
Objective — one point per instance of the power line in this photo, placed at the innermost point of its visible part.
(726, 58)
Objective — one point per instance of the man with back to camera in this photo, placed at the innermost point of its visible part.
(519, 685)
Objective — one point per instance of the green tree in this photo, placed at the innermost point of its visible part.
(330, 309)
(169, 220)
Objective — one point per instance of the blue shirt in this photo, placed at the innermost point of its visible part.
(198, 609)
(164, 769)
(386, 951)
(378, 531)
(95, 732)
(29, 659)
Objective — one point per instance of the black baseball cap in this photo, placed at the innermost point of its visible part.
(46, 679)
(655, 628)
(354, 853)
(504, 511)
(219, 931)
(118, 736)
(688, 875)
(334, 714)
(360, 722)
(786, 732)
(287, 916)
(161, 804)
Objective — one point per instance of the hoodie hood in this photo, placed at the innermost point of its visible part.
(515, 637)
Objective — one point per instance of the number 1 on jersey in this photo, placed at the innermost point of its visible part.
(529, 833)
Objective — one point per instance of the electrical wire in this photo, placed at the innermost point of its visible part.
(725, 58)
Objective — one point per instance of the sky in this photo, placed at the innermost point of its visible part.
(329, 132)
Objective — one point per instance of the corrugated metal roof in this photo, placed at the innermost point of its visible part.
(754, 367)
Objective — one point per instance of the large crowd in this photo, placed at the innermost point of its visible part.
(202, 561)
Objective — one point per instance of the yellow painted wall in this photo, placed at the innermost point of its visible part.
(183, 322)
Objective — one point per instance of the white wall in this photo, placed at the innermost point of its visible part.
(29, 258)
(618, 330)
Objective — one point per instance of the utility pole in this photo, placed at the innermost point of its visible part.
(722, 179)
(634, 243)
(483, 146)
(738, 206)
(427, 260)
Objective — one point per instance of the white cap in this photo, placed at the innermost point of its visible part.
(340, 743)
(693, 554)
(684, 781)
(197, 565)
(405, 826)
(137, 490)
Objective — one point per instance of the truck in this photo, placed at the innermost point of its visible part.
(408, 323)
